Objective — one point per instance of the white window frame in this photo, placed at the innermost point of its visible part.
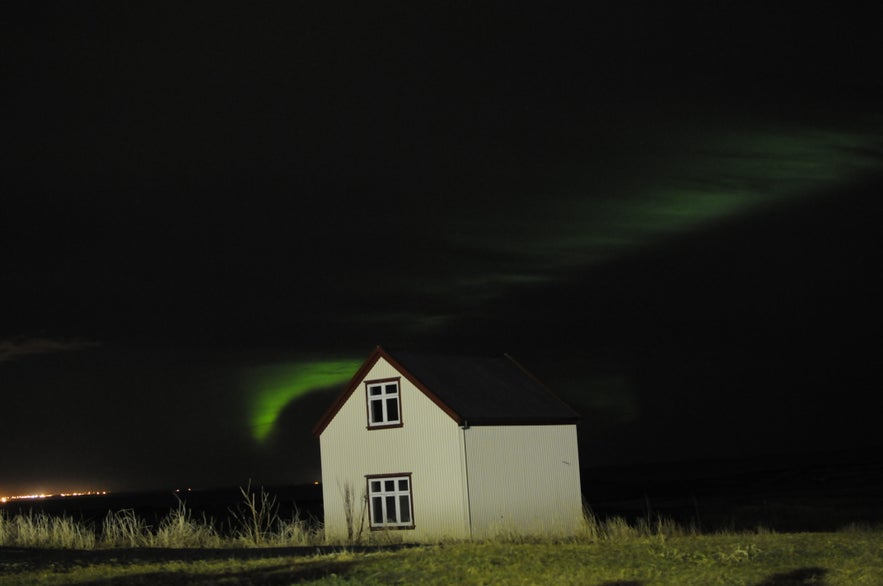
(378, 394)
(391, 500)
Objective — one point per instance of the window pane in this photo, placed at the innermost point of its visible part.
(392, 409)
(390, 485)
(377, 510)
(403, 485)
(375, 486)
(374, 390)
(391, 509)
(391, 389)
(405, 509)
(377, 411)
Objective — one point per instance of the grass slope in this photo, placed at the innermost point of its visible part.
(756, 559)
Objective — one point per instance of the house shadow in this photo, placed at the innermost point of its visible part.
(288, 573)
(798, 577)
(275, 575)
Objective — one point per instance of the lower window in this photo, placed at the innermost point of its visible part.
(389, 500)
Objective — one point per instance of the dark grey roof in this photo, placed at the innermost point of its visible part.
(486, 390)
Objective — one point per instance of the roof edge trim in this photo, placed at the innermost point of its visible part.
(351, 386)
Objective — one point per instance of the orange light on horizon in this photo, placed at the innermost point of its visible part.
(28, 497)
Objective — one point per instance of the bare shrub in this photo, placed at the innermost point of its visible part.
(256, 516)
(353, 534)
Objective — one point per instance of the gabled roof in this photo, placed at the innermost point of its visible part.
(471, 390)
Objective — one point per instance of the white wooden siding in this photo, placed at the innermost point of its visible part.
(428, 445)
(523, 479)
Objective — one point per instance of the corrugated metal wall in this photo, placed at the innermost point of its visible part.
(428, 446)
(523, 479)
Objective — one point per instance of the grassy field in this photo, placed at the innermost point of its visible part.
(760, 559)
(613, 554)
(261, 548)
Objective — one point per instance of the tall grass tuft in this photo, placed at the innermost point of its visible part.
(296, 531)
(124, 529)
(66, 533)
(41, 530)
(590, 530)
(619, 529)
(178, 529)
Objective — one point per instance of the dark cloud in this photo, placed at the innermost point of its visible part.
(18, 348)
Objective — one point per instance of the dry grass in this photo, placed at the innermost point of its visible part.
(179, 550)
(256, 524)
(40, 530)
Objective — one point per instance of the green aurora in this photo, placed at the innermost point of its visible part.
(594, 212)
(272, 387)
(677, 188)
(674, 186)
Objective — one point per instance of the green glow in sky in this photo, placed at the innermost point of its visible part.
(272, 387)
(600, 207)
(666, 189)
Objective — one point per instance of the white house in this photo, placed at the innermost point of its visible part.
(440, 447)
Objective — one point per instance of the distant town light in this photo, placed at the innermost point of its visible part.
(28, 497)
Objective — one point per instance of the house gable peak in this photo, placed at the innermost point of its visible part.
(469, 389)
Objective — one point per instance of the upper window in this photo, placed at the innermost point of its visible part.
(384, 409)
(389, 498)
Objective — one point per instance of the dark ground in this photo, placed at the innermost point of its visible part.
(819, 492)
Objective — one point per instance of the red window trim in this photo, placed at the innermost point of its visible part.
(368, 479)
(398, 381)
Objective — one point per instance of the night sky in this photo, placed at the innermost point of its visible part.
(212, 214)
